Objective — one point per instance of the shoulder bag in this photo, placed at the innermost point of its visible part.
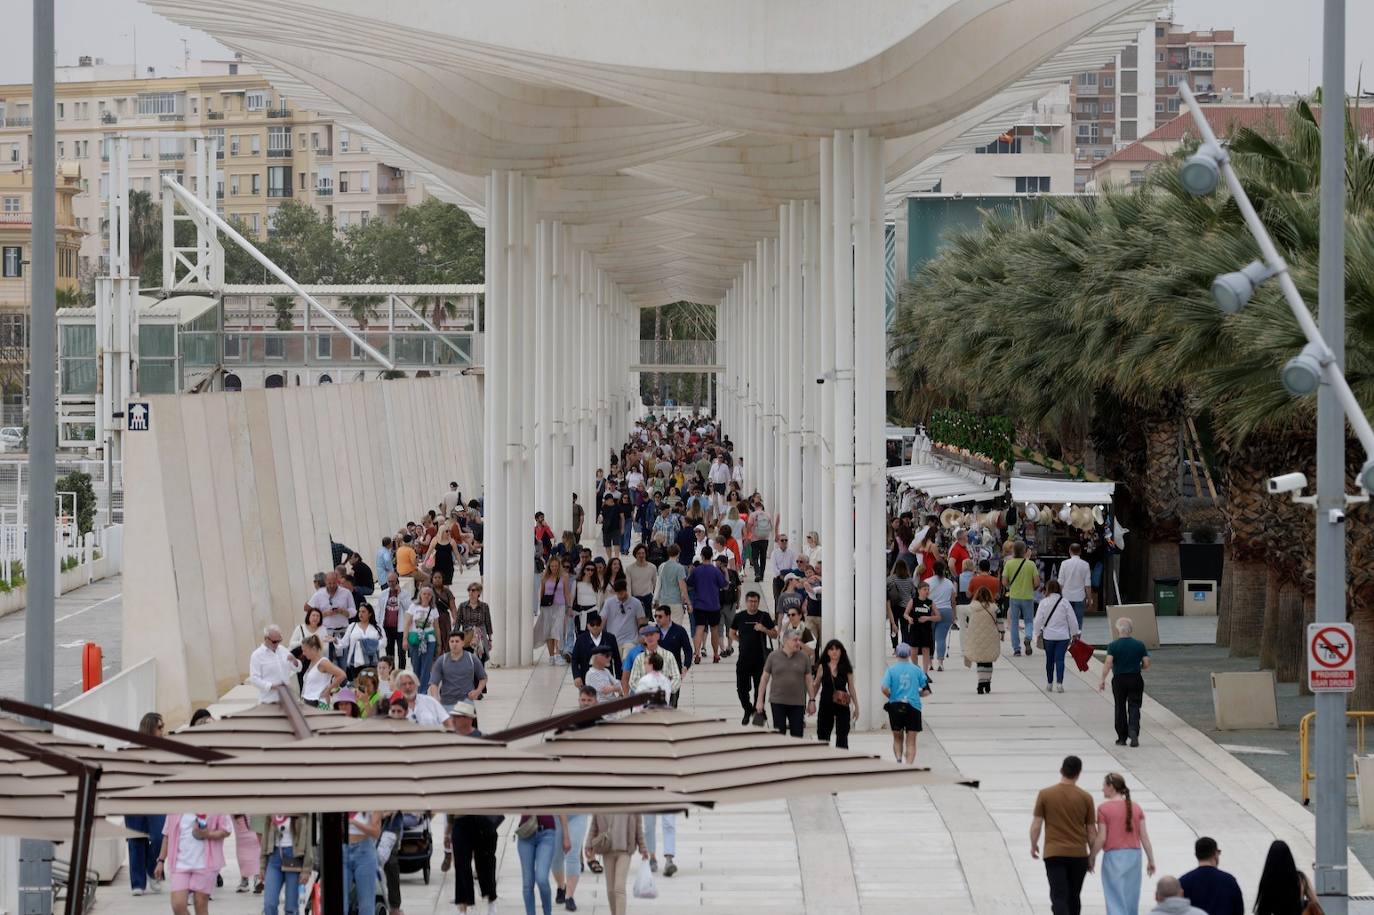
(1040, 636)
(1004, 599)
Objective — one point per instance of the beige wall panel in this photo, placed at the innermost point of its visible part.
(306, 471)
(201, 509)
(366, 471)
(405, 448)
(256, 480)
(240, 578)
(320, 453)
(351, 475)
(281, 508)
(152, 626)
(386, 439)
(374, 445)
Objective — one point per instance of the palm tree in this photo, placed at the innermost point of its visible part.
(68, 297)
(363, 308)
(284, 306)
(438, 308)
(145, 229)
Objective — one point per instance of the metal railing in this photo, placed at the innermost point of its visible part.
(214, 115)
(1305, 749)
(677, 352)
(279, 112)
(17, 122)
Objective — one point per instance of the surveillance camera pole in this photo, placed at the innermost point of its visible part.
(1331, 808)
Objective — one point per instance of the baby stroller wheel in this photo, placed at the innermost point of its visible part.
(426, 874)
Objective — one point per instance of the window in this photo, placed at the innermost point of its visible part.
(254, 223)
(279, 141)
(169, 148)
(302, 139)
(302, 180)
(13, 261)
(1159, 57)
(343, 182)
(364, 217)
(366, 182)
(1159, 82)
(157, 103)
(255, 144)
(234, 185)
(274, 347)
(78, 366)
(1172, 104)
(279, 181)
(1176, 78)
(1159, 106)
(217, 138)
(343, 140)
(256, 184)
(61, 149)
(233, 346)
(314, 139)
(195, 104)
(324, 346)
(1137, 175)
(1088, 133)
(61, 111)
(1001, 146)
(1087, 79)
(1108, 82)
(1109, 107)
(255, 100)
(234, 144)
(11, 204)
(1033, 185)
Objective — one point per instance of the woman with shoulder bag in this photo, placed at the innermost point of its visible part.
(420, 636)
(363, 643)
(616, 836)
(1056, 625)
(288, 851)
(313, 624)
(555, 600)
(982, 637)
(832, 689)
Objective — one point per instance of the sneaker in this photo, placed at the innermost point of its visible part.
(1029, 652)
(1135, 741)
(571, 904)
(243, 885)
(155, 886)
(727, 652)
(491, 907)
(1059, 687)
(1016, 653)
(136, 892)
(653, 865)
(747, 716)
(1121, 741)
(561, 896)
(669, 868)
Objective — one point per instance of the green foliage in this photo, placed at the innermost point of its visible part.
(71, 298)
(363, 308)
(282, 305)
(80, 483)
(988, 436)
(303, 243)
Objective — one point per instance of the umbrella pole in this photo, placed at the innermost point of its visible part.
(81, 839)
(331, 866)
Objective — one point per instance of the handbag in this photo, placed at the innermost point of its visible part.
(600, 845)
(759, 720)
(527, 827)
(1040, 636)
(840, 697)
(1081, 652)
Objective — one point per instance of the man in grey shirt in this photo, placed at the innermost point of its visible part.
(457, 675)
(623, 615)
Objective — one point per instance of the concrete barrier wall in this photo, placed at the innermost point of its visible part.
(232, 499)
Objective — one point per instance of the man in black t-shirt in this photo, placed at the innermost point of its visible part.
(753, 628)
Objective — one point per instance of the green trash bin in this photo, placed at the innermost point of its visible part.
(1166, 597)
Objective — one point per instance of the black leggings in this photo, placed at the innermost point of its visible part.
(747, 686)
(829, 714)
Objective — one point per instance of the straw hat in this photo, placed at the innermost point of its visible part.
(1032, 512)
(1098, 517)
(1081, 517)
(994, 520)
(950, 517)
(1066, 513)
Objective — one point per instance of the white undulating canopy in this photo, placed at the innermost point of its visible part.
(666, 133)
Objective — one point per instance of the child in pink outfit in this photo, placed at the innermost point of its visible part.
(192, 856)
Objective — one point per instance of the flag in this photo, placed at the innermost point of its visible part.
(1041, 137)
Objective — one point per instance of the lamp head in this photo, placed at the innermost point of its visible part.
(1201, 173)
(1366, 477)
(1303, 373)
(1231, 291)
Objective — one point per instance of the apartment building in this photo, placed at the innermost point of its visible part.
(16, 255)
(1033, 156)
(267, 149)
(1128, 96)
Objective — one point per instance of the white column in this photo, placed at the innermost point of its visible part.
(812, 503)
(825, 293)
(543, 356)
(840, 582)
(794, 320)
(522, 464)
(496, 408)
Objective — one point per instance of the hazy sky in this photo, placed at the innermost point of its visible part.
(1283, 37)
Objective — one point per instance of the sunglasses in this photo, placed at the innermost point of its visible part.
(275, 641)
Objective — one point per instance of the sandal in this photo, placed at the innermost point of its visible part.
(595, 866)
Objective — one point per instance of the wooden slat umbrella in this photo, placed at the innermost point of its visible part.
(712, 759)
(426, 769)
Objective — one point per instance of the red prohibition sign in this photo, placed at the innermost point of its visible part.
(1339, 649)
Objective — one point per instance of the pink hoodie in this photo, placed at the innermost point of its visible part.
(214, 854)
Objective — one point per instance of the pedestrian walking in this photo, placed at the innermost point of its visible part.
(942, 593)
(1127, 661)
(901, 588)
(143, 849)
(1074, 577)
(615, 837)
(535, 837)
(473, 839)
(1068, 818)
(555, 612)
(904, 684)
(1022, 579)
(421, 635)
(982, 637)
(1207, 886)
(1121, 836)
(191, 858)
(288, 851)
(787, 683)
(832, 691)
(568, 857)
(918, 626)
(1283, 888)
(1056, 626)
(753, 631)
(360, 858)
(322, 676)
(1171, 900)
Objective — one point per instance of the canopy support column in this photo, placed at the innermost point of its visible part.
(825, 427)
(794, 316)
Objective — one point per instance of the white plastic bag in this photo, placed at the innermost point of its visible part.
(645, 886)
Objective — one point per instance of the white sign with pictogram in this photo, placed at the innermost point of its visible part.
(1331, 657)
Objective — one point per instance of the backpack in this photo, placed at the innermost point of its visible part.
(763, 525)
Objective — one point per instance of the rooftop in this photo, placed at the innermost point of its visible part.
(1227, 119)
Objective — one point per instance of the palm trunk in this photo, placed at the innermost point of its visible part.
(1247, 607)
(1226, 593)
(1289, 635)
(1269, 625)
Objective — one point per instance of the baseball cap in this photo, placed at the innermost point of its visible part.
(791, 576)
(903, 650)
(701, 528)
(464, 708)
(647, 628)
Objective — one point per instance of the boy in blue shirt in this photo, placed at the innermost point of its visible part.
(903, 684)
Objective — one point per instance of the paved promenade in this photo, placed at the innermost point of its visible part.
(965, 851)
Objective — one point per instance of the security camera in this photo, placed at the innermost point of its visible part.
(820, 379)
(1288, 482)
(1335, 516)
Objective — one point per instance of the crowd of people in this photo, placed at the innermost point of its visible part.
(693, 568)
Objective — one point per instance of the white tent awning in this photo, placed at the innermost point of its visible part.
(1074, 492)
(943, 485)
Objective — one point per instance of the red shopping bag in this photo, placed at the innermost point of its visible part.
(1081, 652)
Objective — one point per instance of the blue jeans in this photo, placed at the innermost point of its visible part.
(942, 630)
(669, 833)
(1021, 609)
(1055, 650)
(569, 863)
(1079, 606)
(360, 874)
(143, 852)
(276, 879)
(536, 857)
(627, 533)
(421, 660)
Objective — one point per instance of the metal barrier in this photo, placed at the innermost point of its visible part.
(1305, 751)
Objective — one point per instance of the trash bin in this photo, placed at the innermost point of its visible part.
(1166, 597)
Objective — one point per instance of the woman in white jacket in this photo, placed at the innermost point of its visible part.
(363, 643)
(1057, 626)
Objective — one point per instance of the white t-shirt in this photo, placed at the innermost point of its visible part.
(599, 679)
(942, 592)
(655, 680)
(426, 711)
(422, 617)
(336, 610)
(720, 473)
(634, 479)
(191, 852)
(1074, 574)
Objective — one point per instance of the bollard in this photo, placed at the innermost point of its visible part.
(92, 662)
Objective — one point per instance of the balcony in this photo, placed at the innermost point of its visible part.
(279, 113)
(17, 122)
(324, 191)
(214, 115)
(16, 219)
(323, 152)
(1205, 63)
(177, 116)
(279, 192)
(108, 117)
(278, 153)
(179, 154)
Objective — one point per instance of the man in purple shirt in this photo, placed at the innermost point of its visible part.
(704, 584)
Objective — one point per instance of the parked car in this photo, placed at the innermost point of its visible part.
(11, 438)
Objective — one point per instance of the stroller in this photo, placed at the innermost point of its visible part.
(417, 845)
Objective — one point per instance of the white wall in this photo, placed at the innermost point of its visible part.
(974, 173)
(231, 500)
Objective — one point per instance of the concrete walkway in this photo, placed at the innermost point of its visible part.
(87, 614)
(966, 851)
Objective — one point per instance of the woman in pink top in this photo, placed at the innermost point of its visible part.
(192, 857)
(1120, 837)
